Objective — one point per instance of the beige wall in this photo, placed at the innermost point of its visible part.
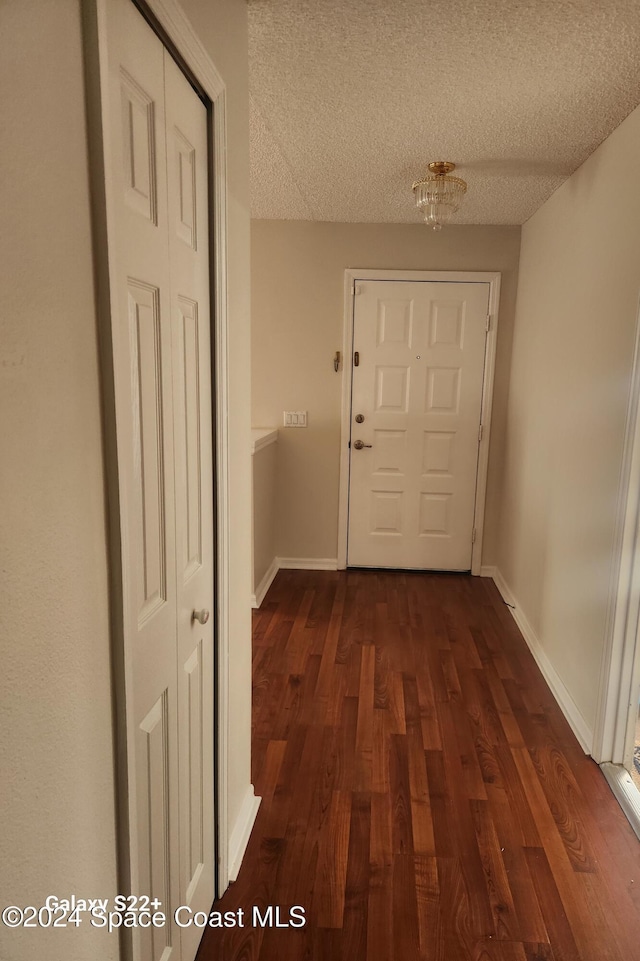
(572, 354)
(56, 750)
(297, 278)
(58, 833)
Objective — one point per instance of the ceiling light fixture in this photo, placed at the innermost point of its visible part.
(438, 196)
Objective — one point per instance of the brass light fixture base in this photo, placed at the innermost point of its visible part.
(441, 167)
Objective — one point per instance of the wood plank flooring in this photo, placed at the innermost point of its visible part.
(423, 796)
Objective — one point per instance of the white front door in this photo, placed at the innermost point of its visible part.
(157, 153)
(419, 349)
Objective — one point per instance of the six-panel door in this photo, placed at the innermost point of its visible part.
(157, 137)
(418, 386)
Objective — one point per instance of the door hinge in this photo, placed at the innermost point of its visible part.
(480, 433)
(488, 323)
(356, 358)
(357, 289)
(473, 536)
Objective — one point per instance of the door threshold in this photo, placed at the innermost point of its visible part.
(626, 793)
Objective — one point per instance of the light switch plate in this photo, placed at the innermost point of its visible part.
(294, 418)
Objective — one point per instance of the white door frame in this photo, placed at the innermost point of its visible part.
(351, 278)
(620, 662)
(177, 29)
(623, 616)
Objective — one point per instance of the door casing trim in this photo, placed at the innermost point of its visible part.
(620, 666)
(351, 277)
(178, 30)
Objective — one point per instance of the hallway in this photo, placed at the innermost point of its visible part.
(423, 796)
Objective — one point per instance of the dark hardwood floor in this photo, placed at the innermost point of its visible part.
(423, 796)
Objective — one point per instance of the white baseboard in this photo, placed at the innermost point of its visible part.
(504, 589)
(308, 563)
(242, 831)
(488, 570)
(559, 690)
(265, 583)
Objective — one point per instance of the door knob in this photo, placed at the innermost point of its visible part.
(201, 616)
(359, 444)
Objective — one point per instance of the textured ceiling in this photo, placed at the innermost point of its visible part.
(351, 100)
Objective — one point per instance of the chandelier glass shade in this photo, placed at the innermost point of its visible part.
(439, 195)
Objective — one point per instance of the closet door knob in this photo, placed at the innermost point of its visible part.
(201, 616)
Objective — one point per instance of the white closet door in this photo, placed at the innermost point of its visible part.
(186, 126)
(157, 145)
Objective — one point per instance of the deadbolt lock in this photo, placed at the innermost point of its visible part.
(359, 418)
